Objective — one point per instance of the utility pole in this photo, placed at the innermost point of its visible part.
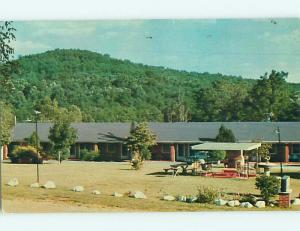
(279, 146)
(37, 146)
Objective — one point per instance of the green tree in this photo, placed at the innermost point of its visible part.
(222, 101)
(140, 140)
(7, 35)
(269, 97)
(62, 136)
(6, 123)
(268, 186)
(225, 135)
(263, 152)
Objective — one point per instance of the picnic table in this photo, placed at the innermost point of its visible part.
(183, 166)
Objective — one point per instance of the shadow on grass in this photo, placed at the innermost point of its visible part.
(293, 175)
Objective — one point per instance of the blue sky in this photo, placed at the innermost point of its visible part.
(246, 48)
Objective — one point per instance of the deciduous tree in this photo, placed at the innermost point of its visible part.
(62, 136)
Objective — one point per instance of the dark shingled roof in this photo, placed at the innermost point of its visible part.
(188, 132)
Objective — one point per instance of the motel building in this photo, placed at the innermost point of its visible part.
(174, 140)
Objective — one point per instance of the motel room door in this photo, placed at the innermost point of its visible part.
(125, 155)
(180, 152)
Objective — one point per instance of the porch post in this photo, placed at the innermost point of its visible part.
(5, 152)
(172, 153)
(286, 153)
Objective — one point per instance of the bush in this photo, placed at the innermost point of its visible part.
(136, 164)
(207, 195)
(268, 185)
(87, 155)
(26, 155)
(248, 198)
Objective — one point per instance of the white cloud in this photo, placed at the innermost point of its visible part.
(293, 36)
(62, 28)
(29, 47)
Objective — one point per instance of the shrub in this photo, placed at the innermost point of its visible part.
(136, 164)
(87, 155)
(248, 198)
(268, 186)
(207, 195)
(25, 154)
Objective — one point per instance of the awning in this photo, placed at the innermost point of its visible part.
(226, 146)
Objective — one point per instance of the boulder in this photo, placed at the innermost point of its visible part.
(13, 182)
(96, 192)
(246, 205)
(168, 198)
(181, 198)
(233, 203)
(49, 185)
(220, 202)
(78, 189)
(191, 199)
(35, 185)
(116, 194)
(296, 201)
(236, 203)
(260, 204)
(137, 195)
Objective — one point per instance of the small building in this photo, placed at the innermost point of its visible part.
(173, 139)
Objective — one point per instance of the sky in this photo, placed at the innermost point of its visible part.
(241, 47)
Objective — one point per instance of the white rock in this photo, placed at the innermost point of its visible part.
(246, 205)
(296, 201)
(96, 192)
(35, 185)
(236, 203)
(49, 185)
(116, 194)
(78, 189)
(137, 195)
(260, 204)
(13, 182)
(220, 202)
(181, 198)
(233, 203)
(169, 198)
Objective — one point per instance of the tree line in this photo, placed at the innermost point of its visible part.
(77, 85)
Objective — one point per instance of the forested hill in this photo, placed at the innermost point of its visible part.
(87, 86)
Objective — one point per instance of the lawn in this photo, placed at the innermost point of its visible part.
(109, 177)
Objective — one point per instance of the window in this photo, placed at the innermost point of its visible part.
(296, 148)
(111, 147)
(166, 147)
(273, 149)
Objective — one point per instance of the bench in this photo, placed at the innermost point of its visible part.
(174, 169)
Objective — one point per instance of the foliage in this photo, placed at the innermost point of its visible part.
(34, 140)
(264, 150)
(6, 123)
(25, 154)
(217, 155)
(270, 97)
(136, 164)
(7, 35)
(248, 198)
(225, 135)
(61, 137)
(87, 155)
(222, 101)
(268, 185)
(139, 142)
(207, 194)
(78, 85)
